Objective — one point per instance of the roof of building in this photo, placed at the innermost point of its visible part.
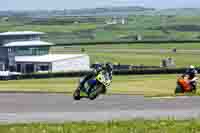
(27, 43)
(47, 58)
(21, 33)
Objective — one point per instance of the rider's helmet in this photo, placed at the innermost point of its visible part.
(192, 67)
(109, 67)
(98, 67)
(191, 71)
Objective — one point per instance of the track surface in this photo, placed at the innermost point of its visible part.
(25, 108)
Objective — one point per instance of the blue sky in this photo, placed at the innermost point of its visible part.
(76, 4)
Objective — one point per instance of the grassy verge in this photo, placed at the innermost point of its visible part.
(132, 126)
(148, 85)
(136, 54)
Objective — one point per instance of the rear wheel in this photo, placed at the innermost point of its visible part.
(76, 94)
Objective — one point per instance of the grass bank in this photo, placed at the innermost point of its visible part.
(148, 85)
(132, 126)
(136, 54)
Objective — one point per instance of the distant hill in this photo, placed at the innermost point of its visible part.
(179, 12)
(83, 12)
(107, 11)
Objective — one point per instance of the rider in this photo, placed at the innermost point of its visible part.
(109, 69)
(191, 71)
(184, 83)
(98, 68)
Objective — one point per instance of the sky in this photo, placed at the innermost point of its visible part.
(77, 4)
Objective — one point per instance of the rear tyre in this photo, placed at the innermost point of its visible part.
(76, 95)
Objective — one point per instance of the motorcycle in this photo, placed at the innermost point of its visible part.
(193, 83)
(97, 85)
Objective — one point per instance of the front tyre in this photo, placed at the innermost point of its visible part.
(104, 90)
(178, 89)
(93, 97)
(96, 93)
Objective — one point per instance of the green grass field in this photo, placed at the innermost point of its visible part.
(55, 28)
(149, 27)
(147, 85)
(147, 54)
(136, 54)
(131, 126)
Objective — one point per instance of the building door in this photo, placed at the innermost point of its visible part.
(29, 68)
(18, 67)
(2, 67)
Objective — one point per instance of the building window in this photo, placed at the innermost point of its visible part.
(32, 51)
(43, 67)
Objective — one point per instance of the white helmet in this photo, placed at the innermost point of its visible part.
(192, 67)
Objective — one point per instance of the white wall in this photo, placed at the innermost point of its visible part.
(74, 64)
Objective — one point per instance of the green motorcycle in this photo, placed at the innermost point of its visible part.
(92, 88)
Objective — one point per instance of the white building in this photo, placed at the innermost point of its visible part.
(52, 63)
(24, 52)
(116, 20)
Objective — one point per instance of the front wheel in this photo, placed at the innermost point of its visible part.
(96, 93)
(104, 91)
(93, 97)
(76, 94)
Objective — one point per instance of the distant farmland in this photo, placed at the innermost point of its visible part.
(96, 28)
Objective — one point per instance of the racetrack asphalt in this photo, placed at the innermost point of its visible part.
(56, 108)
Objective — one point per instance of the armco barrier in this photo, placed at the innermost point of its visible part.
(115, 72)
(53, 75)
(150, 71)
(126, 42)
